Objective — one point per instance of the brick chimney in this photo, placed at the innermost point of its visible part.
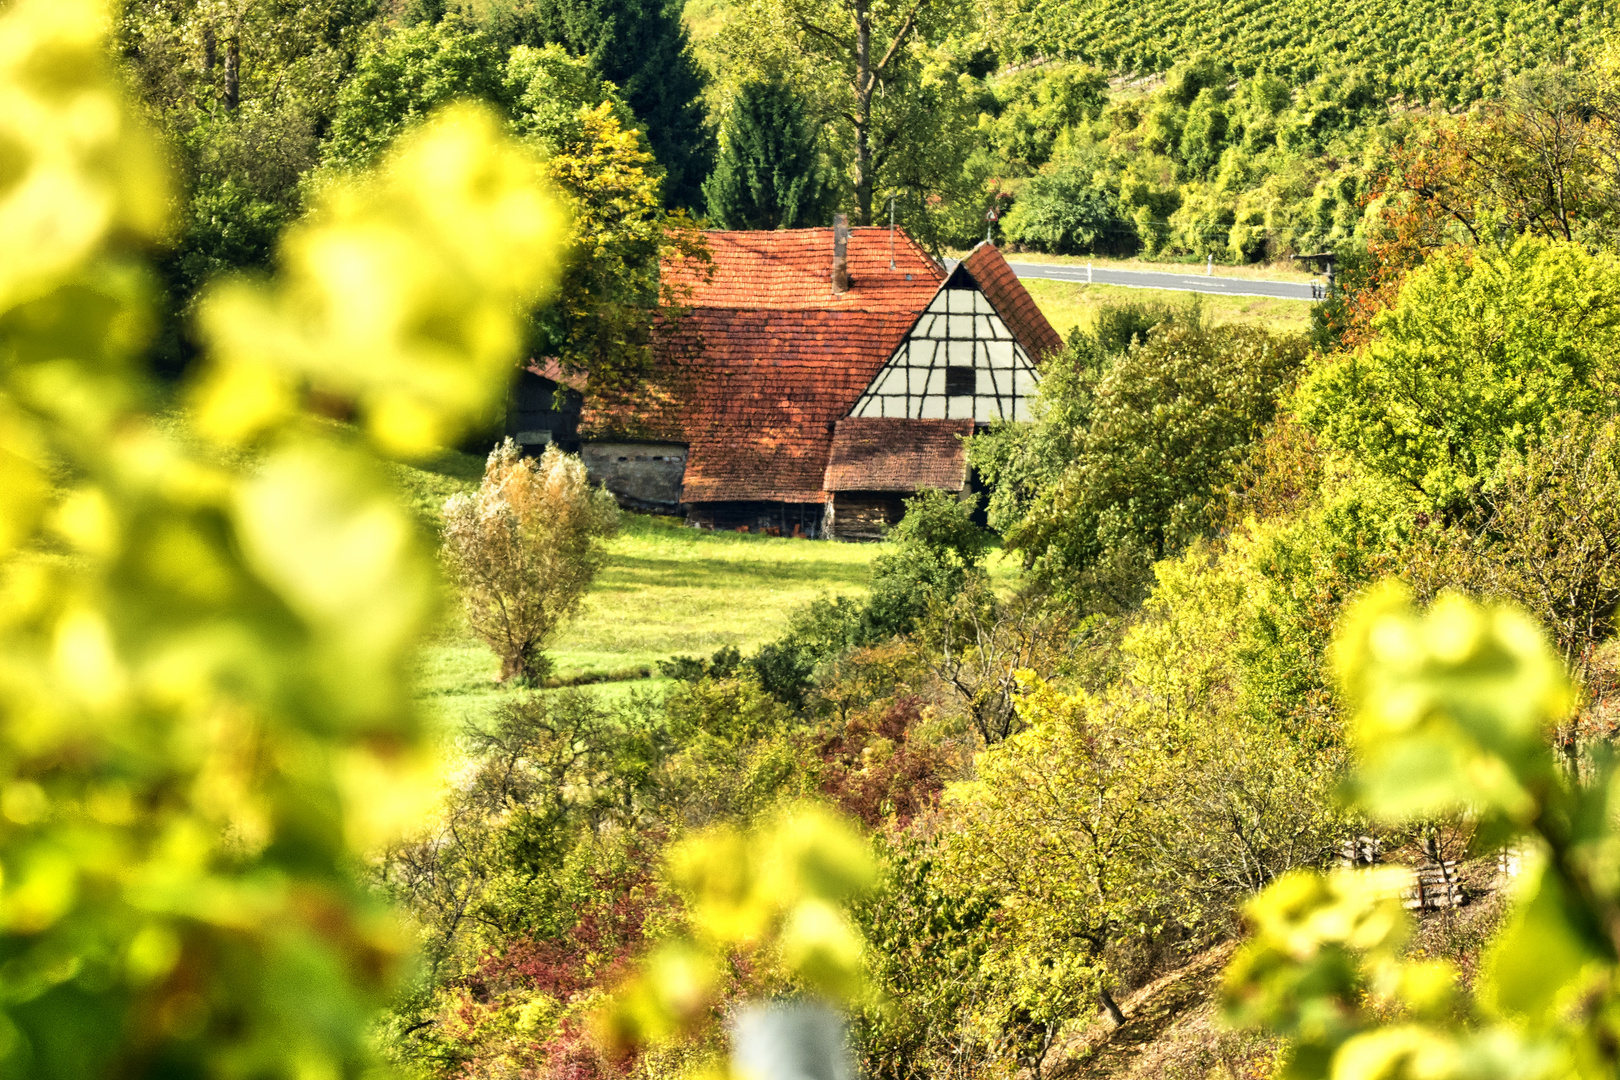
(840, 270)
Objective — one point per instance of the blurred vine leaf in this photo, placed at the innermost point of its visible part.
(204, 717)
(772, 899)
(1453, 711)
(400, 294)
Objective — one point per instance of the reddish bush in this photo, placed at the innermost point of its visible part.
(603, 939)
(876, 770)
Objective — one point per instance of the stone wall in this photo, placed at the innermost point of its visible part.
(642, 475)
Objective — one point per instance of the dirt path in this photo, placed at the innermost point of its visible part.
(1171, 1029)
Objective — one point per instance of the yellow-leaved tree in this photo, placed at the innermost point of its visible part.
(523, 549)
(204, 716)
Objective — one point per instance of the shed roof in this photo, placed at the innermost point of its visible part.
(870, 454)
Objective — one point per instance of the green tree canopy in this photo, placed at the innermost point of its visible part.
(549, 88)
(1480, 354)
(1137, 450)
(612, 289)
(768, 175)
(405, 77)
(245, 93)
(601, 319)
(1062, 211)
(641, 47)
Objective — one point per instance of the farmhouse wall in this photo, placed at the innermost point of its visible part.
(641, 475)
(774, 518)
(534, 419)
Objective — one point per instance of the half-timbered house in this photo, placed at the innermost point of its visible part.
(819, 377)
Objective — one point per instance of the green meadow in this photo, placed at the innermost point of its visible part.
(1067, 304)
(668, 590)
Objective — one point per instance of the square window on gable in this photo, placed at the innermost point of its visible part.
(959, 379)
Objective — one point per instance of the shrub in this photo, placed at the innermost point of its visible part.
(524, 549)
(817, 632)
(723, 664)
(876, 770)
(1061, 212)
(930, 556)
(732, 709)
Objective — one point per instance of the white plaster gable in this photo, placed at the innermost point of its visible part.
(958, 361)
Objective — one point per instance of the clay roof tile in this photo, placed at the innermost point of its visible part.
(1018, 309)
(898, 455)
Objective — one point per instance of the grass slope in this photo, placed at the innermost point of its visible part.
(667, 590)
(1069, 304)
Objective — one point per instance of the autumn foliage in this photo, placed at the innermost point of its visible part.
(524, 549)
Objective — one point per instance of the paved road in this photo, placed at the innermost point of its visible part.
(1194, 282)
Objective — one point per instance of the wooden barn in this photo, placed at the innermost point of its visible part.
(820, 377)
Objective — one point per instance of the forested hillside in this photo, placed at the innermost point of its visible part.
(1289, 656)
(1238, 132)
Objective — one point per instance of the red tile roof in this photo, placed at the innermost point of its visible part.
(998, 282)
(898, 455)
(754, 379)
(786, 270)
(549, 367)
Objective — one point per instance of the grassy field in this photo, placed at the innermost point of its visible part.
(667, 590)
(1069, 304)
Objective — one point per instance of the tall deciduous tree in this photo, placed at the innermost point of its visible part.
(868, 59)
(768, 175)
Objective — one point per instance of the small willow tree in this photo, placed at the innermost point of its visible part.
(524, 549)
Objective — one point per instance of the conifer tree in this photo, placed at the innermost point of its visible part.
(640, 46)
(767, 175)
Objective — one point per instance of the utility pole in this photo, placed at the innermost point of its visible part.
(891, 232)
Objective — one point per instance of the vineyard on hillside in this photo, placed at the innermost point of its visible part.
(1425, 51)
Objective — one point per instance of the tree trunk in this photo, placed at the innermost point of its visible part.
(1110, 1006)
(233, 73)
(208, 47)
(864, 82)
